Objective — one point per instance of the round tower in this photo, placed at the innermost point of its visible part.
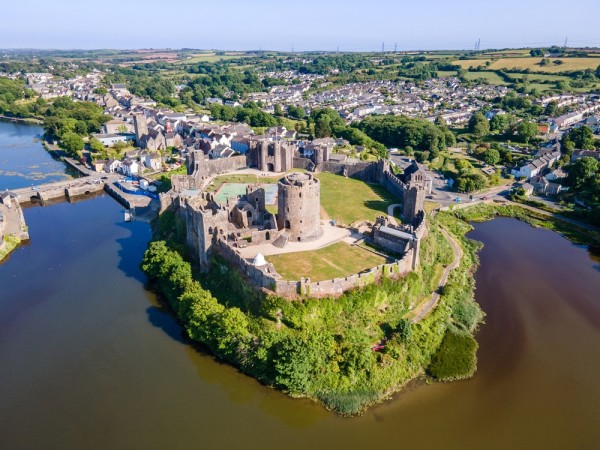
(299, 206)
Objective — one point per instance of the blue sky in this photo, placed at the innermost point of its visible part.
(350, 25)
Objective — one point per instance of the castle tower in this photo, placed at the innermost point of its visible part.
(271, 156)
(383, 166)
(141, 127)
(413, 201)
(299, 206)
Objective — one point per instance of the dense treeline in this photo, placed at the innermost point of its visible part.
(146, 83)
(584, 187)
(249, 113)
(327, 122)
(323, 65)
(11, 91)
(322, 349)
(219, 80)
(402, 132)
(70, 121)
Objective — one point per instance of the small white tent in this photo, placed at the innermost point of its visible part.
(259, 260)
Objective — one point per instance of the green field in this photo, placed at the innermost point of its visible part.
(490, 77)
(234, 190)
(209, 57)
(348, 200)
(335, 261)
(343, 199)
(568, 64)
(220, 180)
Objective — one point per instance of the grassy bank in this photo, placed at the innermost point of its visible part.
(483, 212)
(10, 243)
(325, 349)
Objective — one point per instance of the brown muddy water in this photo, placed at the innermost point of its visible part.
(89, 358)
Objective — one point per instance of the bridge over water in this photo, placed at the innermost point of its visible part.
(65, 188)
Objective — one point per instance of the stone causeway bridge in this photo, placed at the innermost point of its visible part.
(89, 183)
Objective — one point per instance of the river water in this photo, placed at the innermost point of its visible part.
(90, 359)
(23, 160)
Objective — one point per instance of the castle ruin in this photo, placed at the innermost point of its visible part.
(245, 221)
(299, 206)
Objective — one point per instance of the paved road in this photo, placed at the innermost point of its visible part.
(456, 249)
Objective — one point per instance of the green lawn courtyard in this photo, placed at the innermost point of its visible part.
(335, 261)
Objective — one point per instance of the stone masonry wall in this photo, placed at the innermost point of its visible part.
(365, 171)
(266, 277)
(224, 165)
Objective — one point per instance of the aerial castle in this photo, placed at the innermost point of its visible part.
(228, 227)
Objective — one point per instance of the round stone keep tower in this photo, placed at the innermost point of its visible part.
(299, 206)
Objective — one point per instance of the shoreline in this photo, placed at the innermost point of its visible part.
(578, 233)
(22, 120)
(351, 403)
(13, 229)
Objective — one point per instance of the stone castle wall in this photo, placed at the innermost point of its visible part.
(365, 171)
(303, 163)
(393, 184)
(267, 278)
(224, 165)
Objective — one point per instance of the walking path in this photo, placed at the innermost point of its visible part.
(456, 249)
(390, 211)
(331, 235)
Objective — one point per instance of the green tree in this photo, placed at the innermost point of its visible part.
(470, 182)
(536, 52)
(324, 121)
(551, 109)
(491, 156)
(296, 112)
(292, 365)
(580, 138)
(95, 145)
(582, 171)
(72, 143)
(479, 125)
(527, 130)
(231, 334)
(278, 111)
(499, 123)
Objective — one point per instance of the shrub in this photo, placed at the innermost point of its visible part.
(456, 358)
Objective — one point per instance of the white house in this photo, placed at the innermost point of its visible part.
(130, 167)
(108, 140)
(153, 160)
(112, 166)
(536, 167)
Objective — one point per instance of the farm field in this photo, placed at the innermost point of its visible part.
(569, 64)
(490, 77)
(209, 57)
